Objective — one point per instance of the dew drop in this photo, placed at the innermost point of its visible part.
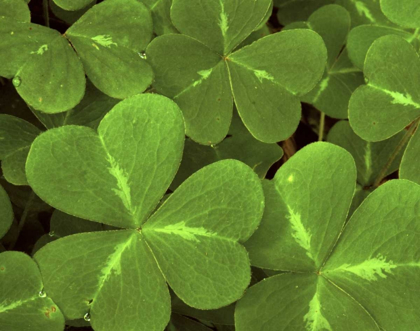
(87, 317)
(51, 233)
(16, 81)
(42, 294)
(143, 55)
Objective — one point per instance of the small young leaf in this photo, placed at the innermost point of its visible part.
(290, 11)
(109, 39)
(24, 306)
(391, 99)
(69, 17)
(6, 212)
(161, 14)
(409, 168)
(115, 182)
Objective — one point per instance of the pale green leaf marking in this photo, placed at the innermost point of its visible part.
(204, 75)
(223, 22)
(188, 233)
(262, 74)
(16, 304)
(370, 269)
(322, 87)
(41, 50)
(299, 233)
(104, 40)
(123, 191)
(398, 98)
(314, 318)
(368, 159)
(362, 10)
(113, 263)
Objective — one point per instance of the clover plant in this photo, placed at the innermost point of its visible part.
(209, 165)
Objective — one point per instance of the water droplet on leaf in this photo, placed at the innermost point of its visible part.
(42, 294)
(16, 81)
(51, 233)
(143, 55)
(87, 317)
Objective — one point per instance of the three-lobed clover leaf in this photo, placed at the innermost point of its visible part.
(117, 176)
(24, 306)
(6, 212)
(391, 99)
(16, 137)
(361, 275)
(340, 79)
(108, 39)
(203, 72)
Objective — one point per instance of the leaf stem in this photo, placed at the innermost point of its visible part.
(23, 219)
(46, 12)
(397, 150)
(321, 127)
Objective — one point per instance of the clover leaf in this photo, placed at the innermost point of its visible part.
(16, 137)
(73, 5)
(332, 94)
(402, 12)
(409, 168)
(364, 12)
(118, 178)
(24, 306)
(390, 100)
(17, 10)
(265, 79)
(338, 277)
(6, 212)
(50, 76)
(290, 11)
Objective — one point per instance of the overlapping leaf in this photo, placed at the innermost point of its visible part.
(240, 145)
(108, 38)
(410, 162)
(193, 237)
(6, 212)
(338, 278)
(264, 84)
(364, 12)
(290, 11)
(402, 12)
(391, 99)
(332, 94)
(16, 137)
(24, 306)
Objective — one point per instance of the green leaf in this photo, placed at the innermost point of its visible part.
(89, 112)
(290, 11)
(6, 212)
(110, 39)
(161, 14)
(15, 9)
(332, 94)
(303, 217)
(105, 176)
(368, 276)
(221, 25)
(391, 99)
(361, 38)
(45, 70)
(239, 145)
(379, 267)
(23, 304)
(62, 225)
(201, 88)
(72, 5)
(182, 323)
(102, 267)
(204, 219)
(402, 12)
(16, 136)
(364, 12)
(371, 157)
(266, 87)
(409, 168)
(69, 17)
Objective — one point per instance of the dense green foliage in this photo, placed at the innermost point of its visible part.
(205, 165)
